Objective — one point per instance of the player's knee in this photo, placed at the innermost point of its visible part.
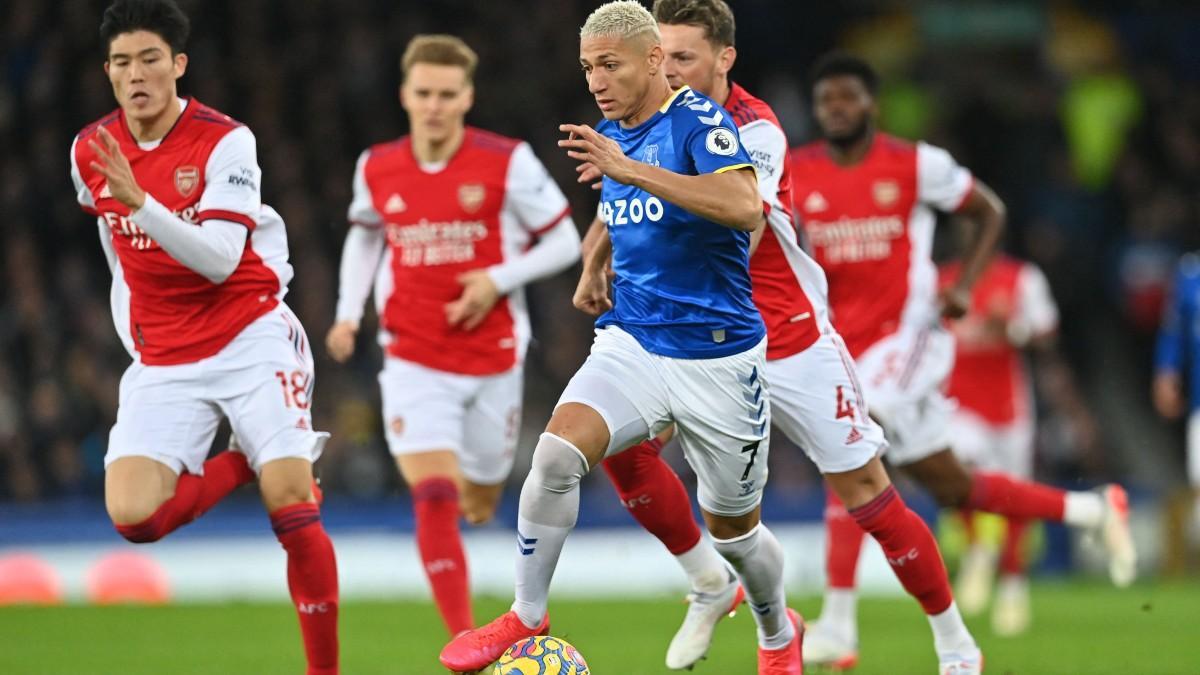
(478, 505)
(130, 510)
(478, 512)
(558, 466)
(281, 493)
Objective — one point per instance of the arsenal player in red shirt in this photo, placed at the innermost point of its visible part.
(449, 224)
(866, 200)
(199, 270)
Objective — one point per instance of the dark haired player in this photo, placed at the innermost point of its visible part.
(200, 269)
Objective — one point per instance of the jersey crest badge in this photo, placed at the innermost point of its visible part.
(721, 141)
(471, 196)
(187, 179)
(815, 203)
(650, 156)
(885, 192)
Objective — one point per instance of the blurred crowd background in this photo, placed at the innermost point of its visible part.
(1085, 118)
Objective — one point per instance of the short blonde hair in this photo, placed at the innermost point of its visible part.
(441, 50)
(623, 19)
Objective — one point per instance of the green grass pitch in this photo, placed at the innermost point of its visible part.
(1084, 629)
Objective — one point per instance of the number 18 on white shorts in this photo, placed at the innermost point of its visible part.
(262, 381)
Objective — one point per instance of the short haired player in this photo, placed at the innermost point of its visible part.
(816, 400)
(679, 341)
(866, 202)
(200, 268)
(449, 224)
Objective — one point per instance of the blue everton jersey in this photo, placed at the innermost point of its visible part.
(1178, 348)
(682, 285)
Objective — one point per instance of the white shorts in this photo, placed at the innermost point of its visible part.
(903, 375)
(993, 447)
(476, 416)
(817, 402)
(262, 381)
(720, 407)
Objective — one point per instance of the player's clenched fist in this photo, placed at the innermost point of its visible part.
(112, 164)
(591, 296)
(478, 297)
(339, 342)
(601, 152)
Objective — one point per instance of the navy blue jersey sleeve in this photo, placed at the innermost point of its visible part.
(709, 135)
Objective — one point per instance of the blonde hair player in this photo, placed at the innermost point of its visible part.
(816, 399)
(678, 342)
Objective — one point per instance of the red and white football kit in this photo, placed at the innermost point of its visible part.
(815, 396)
(415, 229)
(870, 227)
(1011, 304)
(202, 349)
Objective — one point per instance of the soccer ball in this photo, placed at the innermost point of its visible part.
(541, 655)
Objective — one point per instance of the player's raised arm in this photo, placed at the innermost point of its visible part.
(212, 249)
(727, 197)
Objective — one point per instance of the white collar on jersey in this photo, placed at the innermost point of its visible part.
(150, 145)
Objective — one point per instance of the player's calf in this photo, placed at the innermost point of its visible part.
(311, 566)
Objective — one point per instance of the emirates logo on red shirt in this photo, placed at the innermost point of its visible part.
(471, 196)
(187, 179)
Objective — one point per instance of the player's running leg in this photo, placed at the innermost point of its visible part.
(575, 440)
(977, 568)
(655, 497)
(1011, 611)
(147, 500)
(755, 553)
(877, 508)
(286, 486)
(433, 480)
(1103, 513)
(832, 639)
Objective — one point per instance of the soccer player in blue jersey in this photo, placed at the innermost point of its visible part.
(1177, 361)
(679, 341)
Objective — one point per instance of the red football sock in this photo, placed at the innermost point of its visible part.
(194, 495)
(909, 547)
(843, 543)
(1012, 558)
(654, 495)
(435, 504)
(1008, 496)
(312, 580)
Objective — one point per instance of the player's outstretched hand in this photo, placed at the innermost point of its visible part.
(478, 297)
(591, 295)
(339, 342)
(587, 145)
(954, 302)
(111, 163)
(588, 173)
